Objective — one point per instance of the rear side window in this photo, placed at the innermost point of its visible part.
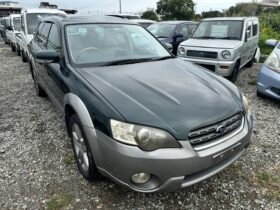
(43, 35)
(249, 29)
(255, 28)
(38, 31)
(53, 40)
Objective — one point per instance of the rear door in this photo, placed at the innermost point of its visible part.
(39, 43)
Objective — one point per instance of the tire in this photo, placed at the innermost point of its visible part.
(250, 63)
(39, 90)
(18, 51)
(261, 95)
(23, 57)
(234, 73)
(13, 48)
(81, 149)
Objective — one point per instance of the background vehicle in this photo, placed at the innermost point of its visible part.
(173, 32)
(1, 26)
(268, 83)
(223, 45)
(169, 119)
(6, 23)
(143, 22)
(30, 18)
(13, 29)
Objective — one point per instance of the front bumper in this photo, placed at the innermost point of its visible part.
(222, 68)
(269, 82)
(171, 169)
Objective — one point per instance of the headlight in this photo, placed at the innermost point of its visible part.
(226, 54)
(146, 138)
(273, 62)
(245, 104)
(181, 51)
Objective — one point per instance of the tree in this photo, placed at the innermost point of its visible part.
(175, 9)
(212, 13)
(150, 15)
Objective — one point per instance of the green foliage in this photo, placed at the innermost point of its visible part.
(270, 29)
(212, 13)
(150, 15)
(175, 9)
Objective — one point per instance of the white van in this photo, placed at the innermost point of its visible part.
(223, 45)
(30, 19)
(13, 29)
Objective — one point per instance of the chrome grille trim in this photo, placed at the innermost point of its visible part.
(216, 139)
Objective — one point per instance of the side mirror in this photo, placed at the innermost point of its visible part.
(169, 46)
(46, 56)
(176, 37)
(271, 42)
(10, 28)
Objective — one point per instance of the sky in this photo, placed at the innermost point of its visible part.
(107, 6)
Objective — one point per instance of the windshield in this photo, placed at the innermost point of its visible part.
(16, 23)
(222, 29)
(161, 30)
(101, 44)
(33, 20)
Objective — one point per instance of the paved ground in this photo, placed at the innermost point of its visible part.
(37, 168)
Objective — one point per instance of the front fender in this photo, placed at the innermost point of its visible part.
(77, 104)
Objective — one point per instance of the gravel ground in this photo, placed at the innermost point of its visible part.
(37, 169)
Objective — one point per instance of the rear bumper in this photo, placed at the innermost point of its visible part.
(222, 68)
(269, 82)
(171, 169)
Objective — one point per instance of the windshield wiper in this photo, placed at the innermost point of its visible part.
(127, 61)
(204, 37)
(160, 37)
(164, 58)
(230, 38)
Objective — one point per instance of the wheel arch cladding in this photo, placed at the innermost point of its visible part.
(74, 105)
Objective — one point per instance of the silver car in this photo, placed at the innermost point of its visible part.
(223, 45)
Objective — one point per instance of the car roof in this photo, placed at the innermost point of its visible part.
(142, 21)
(77, 19)
(229, 18)
(14, 15)
(175, 22)
(42, 10)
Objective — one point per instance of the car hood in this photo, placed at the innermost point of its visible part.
(212, 43)
(173, 95)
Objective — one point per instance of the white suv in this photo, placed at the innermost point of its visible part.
(30, 19)
(13, 29)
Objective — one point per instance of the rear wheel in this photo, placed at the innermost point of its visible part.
(39, 90)
(234, 73)
(251, 62)
(13, 48)
(18, 50)
(81, 149)
(23, 57)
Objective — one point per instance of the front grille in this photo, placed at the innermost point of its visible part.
(209, 67)
(202, 54)
(215, 131)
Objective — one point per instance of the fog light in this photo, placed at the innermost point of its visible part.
(140, 178)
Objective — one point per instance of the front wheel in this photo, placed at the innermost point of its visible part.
(81, 149)
(234, 73)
